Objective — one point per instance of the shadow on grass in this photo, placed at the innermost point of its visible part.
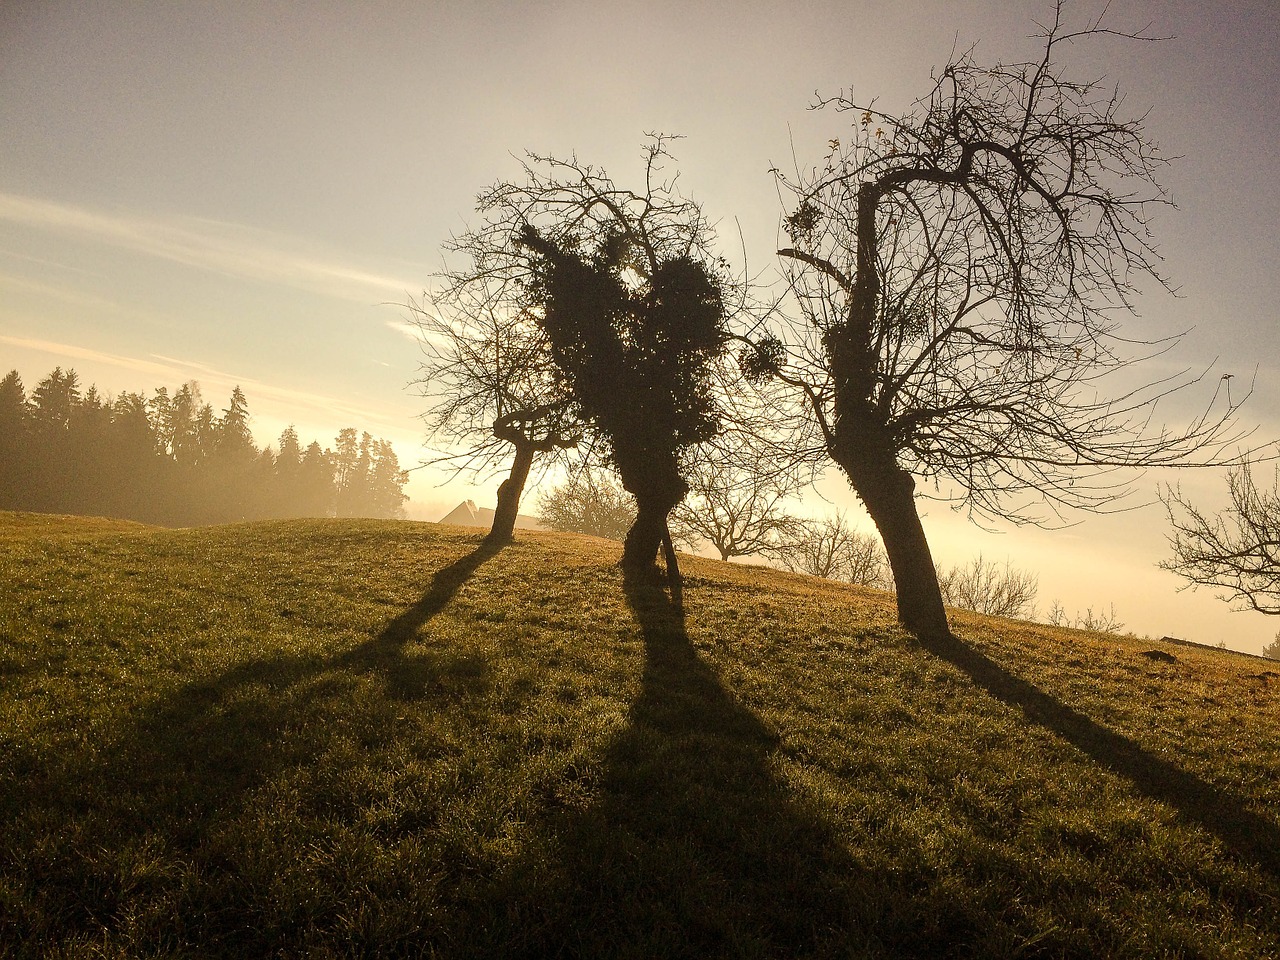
(692, 847)
(224, 726)
(177, 777)
(409, 679)
(1246, 834)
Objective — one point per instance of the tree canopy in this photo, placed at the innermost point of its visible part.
(631, 297)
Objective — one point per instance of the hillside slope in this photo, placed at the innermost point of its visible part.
(342, 738)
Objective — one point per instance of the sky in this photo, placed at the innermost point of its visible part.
(249, 193)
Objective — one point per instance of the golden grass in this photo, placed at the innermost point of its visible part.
(331, 738)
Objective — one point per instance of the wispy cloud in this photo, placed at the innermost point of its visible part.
(225, 248)
(410, 331)
(48, 291)
(159, 372)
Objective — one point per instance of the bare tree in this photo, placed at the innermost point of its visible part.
(1057, 615)
(1236, 552)
(1104, 621)
(591, 501)
(738, 494)
(488, 370)
(957, 268)
(986, 587)
(832, 549)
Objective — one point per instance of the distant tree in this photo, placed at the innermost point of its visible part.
(1104, 621)
(737, 499)
(495, 390)
(1236, 552)
(282, 498)
(957, 268)
(1272, 649)
(832, 549)
(14, 441)
(632, 299)
(235, 439)
(589, 502)
(54, 400)
(1057, 615)
(348, 482)
(367, 479)
(129, 459)
(386, 481)
(53, 404)
(170, 459)
(185, 428)
(986, 587)
(235, 475)
(316, 489)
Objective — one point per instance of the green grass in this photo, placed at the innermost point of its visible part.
(372, 738)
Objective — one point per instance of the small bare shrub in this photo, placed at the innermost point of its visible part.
(987, 587)
(1102, 622)
(832, 549)
(591, 502)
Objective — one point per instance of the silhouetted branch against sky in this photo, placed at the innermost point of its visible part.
(958, 271)
(1235, 553)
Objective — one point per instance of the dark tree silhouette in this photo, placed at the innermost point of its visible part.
(53, 406)
(488, 369)
(169, 460)
(957, 269)
(634, 310)
(14, 438)
(632, 300)
(1236, 552)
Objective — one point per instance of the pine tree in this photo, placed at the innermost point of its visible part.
(53, 404)
(315, 491)
(14, 442)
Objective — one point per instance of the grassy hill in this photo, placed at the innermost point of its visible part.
(351, 738)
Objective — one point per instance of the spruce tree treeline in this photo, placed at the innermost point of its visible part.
(172, 459)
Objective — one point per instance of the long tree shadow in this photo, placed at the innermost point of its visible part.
(1215, 809)
(182, 767)
(195, 731)
(408, 679)
(693, 847)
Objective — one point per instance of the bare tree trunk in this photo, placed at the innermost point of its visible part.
(644, 539)
(674, 580)
(888, 492)
(504, 515)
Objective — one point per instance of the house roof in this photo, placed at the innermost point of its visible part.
(467, 514)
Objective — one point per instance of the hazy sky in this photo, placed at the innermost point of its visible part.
(245, 192)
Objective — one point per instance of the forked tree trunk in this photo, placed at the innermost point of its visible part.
(509, 493)
(888, 493)
(644, 539)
